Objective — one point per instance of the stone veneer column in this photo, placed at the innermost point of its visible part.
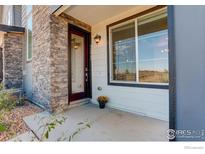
(12, 60)
(50, 79)
(41, 57)
(59, 63)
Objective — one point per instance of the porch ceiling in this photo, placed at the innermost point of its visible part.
(92, 14)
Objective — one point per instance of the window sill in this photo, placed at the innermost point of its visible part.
(28, 61)
(139, 85)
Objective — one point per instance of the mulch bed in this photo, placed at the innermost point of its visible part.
(14, 119)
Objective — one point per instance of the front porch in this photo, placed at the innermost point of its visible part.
(74, 70)
(104, 125)
(69, 68)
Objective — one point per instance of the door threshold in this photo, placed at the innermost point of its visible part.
(79, 102)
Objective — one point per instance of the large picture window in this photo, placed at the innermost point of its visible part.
(138, 50)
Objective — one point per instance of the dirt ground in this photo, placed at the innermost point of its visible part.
(14, 120)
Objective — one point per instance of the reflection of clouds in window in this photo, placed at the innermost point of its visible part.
(153, 51)
(153, 57)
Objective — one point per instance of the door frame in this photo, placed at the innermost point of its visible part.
(87, 38)
(172, 70)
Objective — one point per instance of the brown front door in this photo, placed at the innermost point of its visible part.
(79, 74)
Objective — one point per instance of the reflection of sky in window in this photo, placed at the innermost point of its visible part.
(28, 8)
(30, 23)
(153, 51)
(29, 37)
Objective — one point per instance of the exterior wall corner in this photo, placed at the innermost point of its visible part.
(12, 60)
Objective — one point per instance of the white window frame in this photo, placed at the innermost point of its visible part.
(137, 55)
(9, 19)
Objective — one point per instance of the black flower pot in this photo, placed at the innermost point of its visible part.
(101, 105)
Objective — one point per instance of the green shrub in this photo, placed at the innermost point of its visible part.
(7, 103)
(2, 127)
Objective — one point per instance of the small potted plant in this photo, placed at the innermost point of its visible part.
(102, 100)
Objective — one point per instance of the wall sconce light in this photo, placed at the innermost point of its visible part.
(97, 38)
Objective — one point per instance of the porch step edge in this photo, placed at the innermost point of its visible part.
(79, 102)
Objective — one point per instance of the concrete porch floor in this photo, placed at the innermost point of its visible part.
(105, 125)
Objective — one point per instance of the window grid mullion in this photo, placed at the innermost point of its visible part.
(111, 56)
(137, 52)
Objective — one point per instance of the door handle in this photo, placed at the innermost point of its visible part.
(86, 77)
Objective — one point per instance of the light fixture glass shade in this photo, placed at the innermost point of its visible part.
(97, 38)
(75, 44)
